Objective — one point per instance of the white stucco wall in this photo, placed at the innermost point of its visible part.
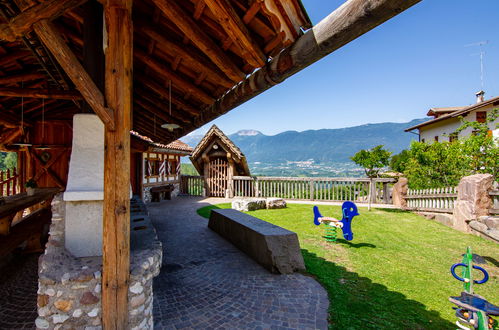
(444, 128)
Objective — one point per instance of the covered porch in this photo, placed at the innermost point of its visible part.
(162, 71)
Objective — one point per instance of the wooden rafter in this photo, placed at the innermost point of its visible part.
(75, 71)
(7, 80)
(190, 58)
(23, 22)
(161, 107)
(163, 93)
(237, 31)
(39, 93)
(199, 37)
(167, 73)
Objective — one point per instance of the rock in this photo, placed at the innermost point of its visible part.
(50, 292)
(93, 328)
(445, 219)
(43, 300)
(399, 193)
(93, 313)
(88, 299)
(492, 222)
(248, 204)
(275, 248)
(41, 323)
(97, 288)
(463, 213)
(44, 311)
(59, 318)
(275, 203)
(63, 305)
(97, 274)
(77, 313)
(137, 288)
(137, 300)
(494, 233)
(478, 226)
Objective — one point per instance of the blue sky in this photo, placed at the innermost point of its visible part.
(394, 73)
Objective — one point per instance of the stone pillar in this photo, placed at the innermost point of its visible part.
(85, 189)
(473, 200)
(399, 193)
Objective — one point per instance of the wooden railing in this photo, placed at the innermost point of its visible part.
(191, 185)
(326, 189)
(494, 195)
(9, 181)
(432, 200)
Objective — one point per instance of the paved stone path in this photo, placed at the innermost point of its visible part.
(18, 286)
(207, 283)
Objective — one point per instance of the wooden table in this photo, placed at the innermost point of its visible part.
(18, 203)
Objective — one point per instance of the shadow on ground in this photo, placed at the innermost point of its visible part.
(358, 303)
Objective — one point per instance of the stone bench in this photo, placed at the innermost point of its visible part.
(158, 190)
(275, 248)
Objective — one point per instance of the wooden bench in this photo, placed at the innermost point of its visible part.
(158, 190)
(31, 230)
(275, 248)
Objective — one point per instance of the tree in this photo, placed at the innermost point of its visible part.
(372, 160)
(398, 162)
(10, 160)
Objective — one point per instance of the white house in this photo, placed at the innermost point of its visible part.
(447, 120)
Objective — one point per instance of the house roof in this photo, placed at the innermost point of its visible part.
(175, 146)
(213, 133)
(201, 49)
(443, 110)
(457, 113)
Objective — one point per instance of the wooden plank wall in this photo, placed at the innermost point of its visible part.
(58, 135)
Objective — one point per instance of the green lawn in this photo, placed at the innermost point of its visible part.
(394, 274)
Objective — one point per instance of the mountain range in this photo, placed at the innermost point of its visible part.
(324, 146)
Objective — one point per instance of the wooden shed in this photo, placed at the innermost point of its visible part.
(218, 159)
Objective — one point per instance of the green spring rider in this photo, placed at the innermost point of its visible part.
(473, 311)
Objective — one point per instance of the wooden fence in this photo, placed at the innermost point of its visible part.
(9, 181)
(326, 189)
(432, 200)
(192, 185)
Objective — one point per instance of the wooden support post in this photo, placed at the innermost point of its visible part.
(116, 222)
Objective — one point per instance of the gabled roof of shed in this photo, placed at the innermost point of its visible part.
(215, 133)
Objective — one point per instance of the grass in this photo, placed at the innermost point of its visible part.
(394, 274)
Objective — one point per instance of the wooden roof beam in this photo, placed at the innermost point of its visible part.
(237, 31)
(60, 50)
(23, 22)
(163, 92)
(200, 38)
(39, 93)
(193, 60)
(162, 107)
(21, 78)
(166, 72)
(348, 22)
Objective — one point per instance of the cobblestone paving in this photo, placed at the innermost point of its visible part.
(207, 283)
(18, 286)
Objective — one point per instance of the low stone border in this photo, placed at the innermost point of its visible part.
(252, 204)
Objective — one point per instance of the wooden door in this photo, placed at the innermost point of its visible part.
(217, 177)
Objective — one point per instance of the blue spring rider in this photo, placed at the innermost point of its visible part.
(349, 210)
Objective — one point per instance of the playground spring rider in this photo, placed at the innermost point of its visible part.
(473, 311)
(349, 210)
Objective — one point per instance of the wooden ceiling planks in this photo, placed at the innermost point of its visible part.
(204, 47)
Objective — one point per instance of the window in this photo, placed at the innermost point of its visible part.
(152, 167)
(436, 138)
(481, 116)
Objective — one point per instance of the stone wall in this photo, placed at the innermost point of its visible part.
(69, 288)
